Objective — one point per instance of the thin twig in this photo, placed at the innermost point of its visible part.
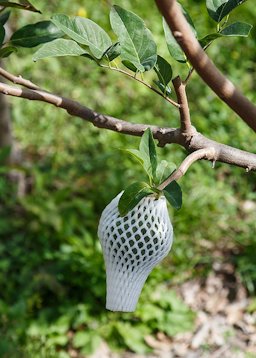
(190, 72)
(180, 89)
(18, 79)
(175, 104)
(198, 58)
(208, 153)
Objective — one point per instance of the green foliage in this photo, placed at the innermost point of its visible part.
(173, 194)
(157, 172)
(138, 49)
(85, 32)
(164, 73)
(59, 47)
(36, 34)
(132, 196)
(218, 9)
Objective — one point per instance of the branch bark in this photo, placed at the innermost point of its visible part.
(223, 87)
(164, 135)
(185, 122)
(207, 153)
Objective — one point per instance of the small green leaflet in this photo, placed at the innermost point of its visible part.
(138, 49)
(36, 34)
(173, 194)
(164, 170)
(148, 151)
(85, 32)
(237, 29)
(218, 9)
(57, 48)
(132, 196)
(241, 29)
(164, 73)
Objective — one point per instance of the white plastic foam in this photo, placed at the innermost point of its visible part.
(132, 246)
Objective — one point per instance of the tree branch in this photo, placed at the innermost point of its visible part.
(207, 153)
(185, 122)
(18, 79)
(164, 135)
(223, 87)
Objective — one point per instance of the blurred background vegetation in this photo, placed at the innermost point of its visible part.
(52, 280)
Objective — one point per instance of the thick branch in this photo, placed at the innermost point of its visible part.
(195, 141)
(180, 89)
(223, 87)
(207, 153)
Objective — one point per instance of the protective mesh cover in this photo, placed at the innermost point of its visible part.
(132, 246)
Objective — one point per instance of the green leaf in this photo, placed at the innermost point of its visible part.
(205, 41)
(36, 34)
(136, 154)
(218, 9)
(237, 29)
(148, 152)
(4, 17)
(165, 89)
(2, 35)
(172, 45)
(22, 4)
(113, 51)
(7, 51)
(137, 44)
(132, 196)
(164, 170)
(241, 29)
(84, 31)
(164, 73)
(57, 48)
(173, 194)
(163, 70)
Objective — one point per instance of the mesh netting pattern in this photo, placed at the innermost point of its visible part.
(132, 246)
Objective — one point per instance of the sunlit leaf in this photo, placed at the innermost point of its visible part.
(84, 31)
(138, 49)
(57, 48)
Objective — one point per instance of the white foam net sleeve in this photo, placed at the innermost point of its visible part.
(132, 245)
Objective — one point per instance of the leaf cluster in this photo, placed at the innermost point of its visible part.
(156, 172)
